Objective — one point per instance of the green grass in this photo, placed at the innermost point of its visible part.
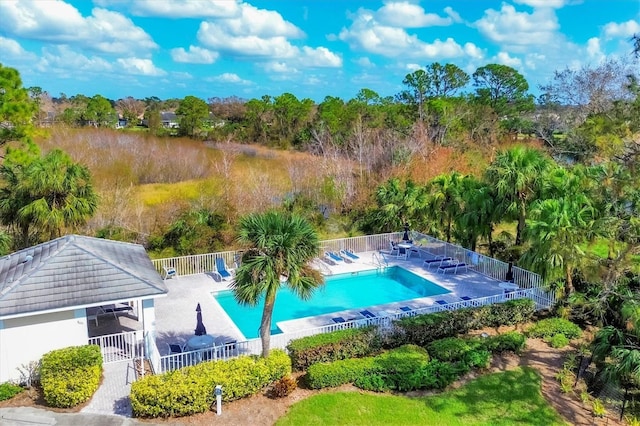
(506, 398)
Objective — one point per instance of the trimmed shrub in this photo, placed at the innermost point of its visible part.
(511, 341)
(374, 382)
(557, 341)
(326, 375)
(342, 344)
(477, 358)
(399, 367)
(551, 326)
(438, 375)
(451, 348)
(70, 376)
(190, 390)
(424, 329)
(9, 390)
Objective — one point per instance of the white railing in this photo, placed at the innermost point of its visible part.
(195, 264)
(152, 352)
(119, 347)
(222, 352)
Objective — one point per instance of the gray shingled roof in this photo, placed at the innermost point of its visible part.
(75, 271)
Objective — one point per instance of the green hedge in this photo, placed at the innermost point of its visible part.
(342, 344)
(70, 376)
(9, 390)
(424, 329)
(336, 373)
(190, 390)
(511, 341)
(552, 326)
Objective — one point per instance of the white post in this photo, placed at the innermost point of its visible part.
(218, 393)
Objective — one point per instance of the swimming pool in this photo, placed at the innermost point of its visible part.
(340, 292)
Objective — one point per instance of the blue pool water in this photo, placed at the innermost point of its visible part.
(340, 292)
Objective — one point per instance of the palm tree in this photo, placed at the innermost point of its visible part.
(398, 205)
(516, 175)
(281, 247)
(445, 200)
(479, 213)
(47, 193)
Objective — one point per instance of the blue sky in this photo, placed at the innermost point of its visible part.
(310, 48)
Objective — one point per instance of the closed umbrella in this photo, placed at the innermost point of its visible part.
(200, 328)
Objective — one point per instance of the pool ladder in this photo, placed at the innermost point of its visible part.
(379, 261)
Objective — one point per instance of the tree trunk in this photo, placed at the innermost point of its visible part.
(265, 324)
(568, 289)
(521, 223)
(490, 239)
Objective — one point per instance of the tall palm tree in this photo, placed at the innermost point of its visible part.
(398, 205)
(479, 213)
(445, 200)
(517, 175)
(281, 247)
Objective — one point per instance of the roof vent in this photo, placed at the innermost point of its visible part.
(27, 258)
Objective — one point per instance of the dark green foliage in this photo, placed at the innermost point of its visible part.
(9, 390)
(552, 326)
(424, 329)
(70, 376)
(342, 344)
(374, 382)
(437, 374)
(511, 341)
(451, 348)
(399, 367)
(477, 358)
(190, 390)
(332, 374)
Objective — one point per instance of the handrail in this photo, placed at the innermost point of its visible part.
(378, 258)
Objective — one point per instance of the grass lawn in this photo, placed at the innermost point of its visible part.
(506, 398)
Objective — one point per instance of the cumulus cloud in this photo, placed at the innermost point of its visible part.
(60, 22)
(515, 31)
(61, 59)
(195, 55)
(594, 50)
(504, 59)
(228, 77)
(12, 49)
(624, 29)
(364, 62)
(138, 66)
(176, 9)
(408, 15)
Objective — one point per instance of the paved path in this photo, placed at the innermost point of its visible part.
(112, 396)
(21, 416)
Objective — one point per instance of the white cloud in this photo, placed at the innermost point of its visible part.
(555, 4)
(12, 49)
(279, 68)
(195, 55)
(177, 8)
(319, 57)
(364, 62)
(593, 49)
(228, 77)
(624, 29)
(413, 67)
(504, 59)
(368, 34)
(404, 14)
(59, 22)
(63, 60)
(473, 51)
(515, 31)
(138, 66)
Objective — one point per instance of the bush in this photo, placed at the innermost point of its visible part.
(325, 375)
(451, 348)
(551, 326)
(437, 375)
(511, 341)
(342, 344)
(190, 390)
(424, 329)
(284, 387)
(9, 390)
(70, 376)
(399, 367)
(374, 382)
(478, 358)
(557, 341)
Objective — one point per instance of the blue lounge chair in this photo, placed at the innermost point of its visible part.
(367, 314)
(452, 267)
(405, 309)
(333, 256)
(349, 254)
(465, 298)
(221, 269)
(338, 320)
(441, 302)
(436, 261)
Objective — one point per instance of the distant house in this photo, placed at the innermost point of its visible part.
(52, 295)
(169, 120)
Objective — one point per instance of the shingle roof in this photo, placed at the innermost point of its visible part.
(75, 271)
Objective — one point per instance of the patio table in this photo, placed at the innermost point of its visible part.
(406, 247)
(200, 342)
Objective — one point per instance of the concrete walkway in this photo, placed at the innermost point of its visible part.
(112, 397)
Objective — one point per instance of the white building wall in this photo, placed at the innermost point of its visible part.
(26, 339)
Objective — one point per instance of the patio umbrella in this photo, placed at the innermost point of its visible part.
(200, 328)
(405, 237)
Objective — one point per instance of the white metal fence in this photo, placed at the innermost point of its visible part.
(530, 285)
(119, 347)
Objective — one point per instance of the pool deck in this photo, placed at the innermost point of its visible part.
(176, 313)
